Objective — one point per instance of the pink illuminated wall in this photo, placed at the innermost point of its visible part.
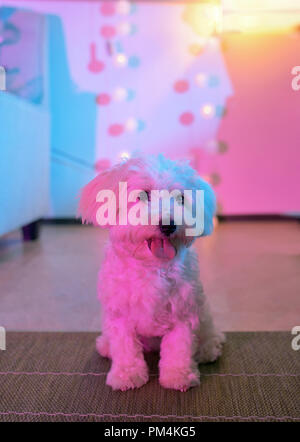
(260, 172)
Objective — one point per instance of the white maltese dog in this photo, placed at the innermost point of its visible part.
(149, 284)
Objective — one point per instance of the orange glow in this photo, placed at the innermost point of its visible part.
(260, 15)
(213, 17)
(205, 18)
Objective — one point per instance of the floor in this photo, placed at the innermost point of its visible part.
(250, 271)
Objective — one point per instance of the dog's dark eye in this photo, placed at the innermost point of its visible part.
(180, 199)
(144, 195)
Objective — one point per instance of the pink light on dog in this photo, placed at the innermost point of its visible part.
(137, 297)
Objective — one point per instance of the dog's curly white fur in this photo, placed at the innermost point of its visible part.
(151, 301)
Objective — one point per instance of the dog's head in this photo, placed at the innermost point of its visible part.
(153, 206)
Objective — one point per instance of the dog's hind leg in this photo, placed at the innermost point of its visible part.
(102, 346)
(209, 340)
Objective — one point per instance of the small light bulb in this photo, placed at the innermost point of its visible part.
(123, 7)
(201, 79)
(208, 110)
(120, 94)
(131, 124)
(124, 156)
(124, 28)
(121, 60)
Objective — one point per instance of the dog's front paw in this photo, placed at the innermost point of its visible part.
(179, 378)
(211, 349)
(121, 377)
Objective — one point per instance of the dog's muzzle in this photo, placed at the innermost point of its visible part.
(167, 229)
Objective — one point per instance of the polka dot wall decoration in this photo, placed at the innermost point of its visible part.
(123, 94)
(108, 31)
(130, 94)
(201, 79)
(131, 125)
(120, 94)
(141, 125)
(134, 61)
(124, 7)
(107, 9)
(213, 81)
(127, 28)
(103, 99)
(181, 86)
(208, 110)
(133, 29)
(133, 8)
(118, 47)
(186, 118)
(115, 130)
(134, 125)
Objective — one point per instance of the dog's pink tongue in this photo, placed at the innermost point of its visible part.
(162, 248)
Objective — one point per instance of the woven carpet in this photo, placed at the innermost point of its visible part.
(60, 377)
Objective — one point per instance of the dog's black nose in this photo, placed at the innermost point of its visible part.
(167, 229)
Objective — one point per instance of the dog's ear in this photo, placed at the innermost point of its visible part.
(209, 204)
(195, 182)
(88, 204)
(107, 180)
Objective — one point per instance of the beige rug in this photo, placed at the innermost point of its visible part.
(60, 377)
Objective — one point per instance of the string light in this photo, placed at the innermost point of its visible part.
(124, 156)
(124, 28)
(120, 94)
(141, 125)
(213, 81)
(123, 7)
(134, 61)
(131, 124)
(121, 60)
(208, 110)
(201, 79)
